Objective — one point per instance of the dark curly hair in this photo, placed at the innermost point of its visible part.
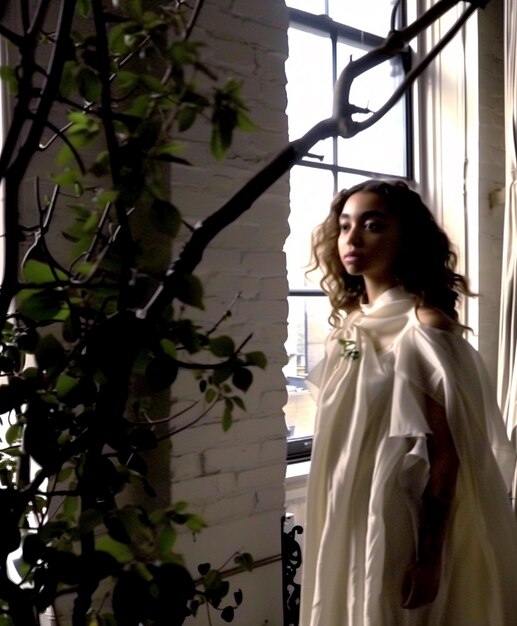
(425, 264)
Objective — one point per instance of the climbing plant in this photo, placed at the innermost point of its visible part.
(96, 322)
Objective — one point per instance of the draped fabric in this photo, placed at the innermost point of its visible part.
(507, 363)
(370, 467)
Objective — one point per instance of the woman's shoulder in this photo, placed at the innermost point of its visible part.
(435, 318)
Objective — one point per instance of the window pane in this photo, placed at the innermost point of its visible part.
(309, 85)
(381, 147)
(345, 181)
(311, 193)
(372, 16)
(307, 330)
(316, 7)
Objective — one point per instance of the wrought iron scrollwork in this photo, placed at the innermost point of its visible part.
(291, 562)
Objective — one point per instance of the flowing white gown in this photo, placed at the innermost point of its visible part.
(370, 466)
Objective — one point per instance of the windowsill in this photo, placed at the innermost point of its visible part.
(297, 470)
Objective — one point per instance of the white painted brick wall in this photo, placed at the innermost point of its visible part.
(491, 177)
(236, 479)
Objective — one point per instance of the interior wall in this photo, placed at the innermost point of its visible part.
(490, 176)
(235, 480)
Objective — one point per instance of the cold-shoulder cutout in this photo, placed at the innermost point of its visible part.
(436, 319)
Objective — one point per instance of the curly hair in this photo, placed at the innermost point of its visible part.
(425, 263)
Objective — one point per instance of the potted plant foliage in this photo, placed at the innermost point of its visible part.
(93, 320)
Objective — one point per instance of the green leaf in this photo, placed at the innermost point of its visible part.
(79, 135)
(13, 434)
(239, 402)
(165, 217)
(210, 395)
(69, 508)
(227, 419)
(244, 122)
(49, 352)
(108, 195)
(170, 158)
(189, 290)
(78, 118)
(179, 506)
(84, 7)
(121, 552)
(38, 272)
(65, 474)
(118, 41)
(65, 384)
(245, 560)
(203, 568)
(139, 106)
(221, 374)
(169, 347)
(185, 53)
(242, 379)
(186, 118)
(195, 523)
(8, 74)
(227, 614)
(188, 336)
(68, 83)
(152, 83)
(126, 80)
(222, 346)
(134, 8)
(216, 144)
(256, 358)
(173, 148)
(67, 178)
(40, 305)
(212, 580)
(89, 84)
(165, 541)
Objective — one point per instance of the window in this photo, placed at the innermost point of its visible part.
(323, 36)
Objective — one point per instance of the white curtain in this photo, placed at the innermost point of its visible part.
(507, 366)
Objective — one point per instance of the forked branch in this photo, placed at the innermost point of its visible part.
(341, 123)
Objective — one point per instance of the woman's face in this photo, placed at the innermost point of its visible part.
(369, 239)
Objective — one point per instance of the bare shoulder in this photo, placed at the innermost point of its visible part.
(436, 319)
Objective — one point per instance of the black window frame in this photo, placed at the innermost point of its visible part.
(299, 449)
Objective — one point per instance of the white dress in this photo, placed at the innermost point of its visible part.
(370, 466)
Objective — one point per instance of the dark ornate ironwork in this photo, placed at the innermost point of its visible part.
(291, 562)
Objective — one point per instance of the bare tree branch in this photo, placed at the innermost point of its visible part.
(193, 18)
(13, 172)
(341, 123)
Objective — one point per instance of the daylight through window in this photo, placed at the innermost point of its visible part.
(324, 35)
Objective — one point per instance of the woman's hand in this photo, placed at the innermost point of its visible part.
(421, 583)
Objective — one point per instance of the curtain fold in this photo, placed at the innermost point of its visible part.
(507, 359)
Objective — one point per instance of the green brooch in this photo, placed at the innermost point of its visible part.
(349, 349)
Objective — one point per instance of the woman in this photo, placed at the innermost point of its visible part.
(409, 519)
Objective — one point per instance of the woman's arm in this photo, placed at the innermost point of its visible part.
(422, 579)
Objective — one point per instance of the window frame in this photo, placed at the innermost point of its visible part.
(299, 449)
